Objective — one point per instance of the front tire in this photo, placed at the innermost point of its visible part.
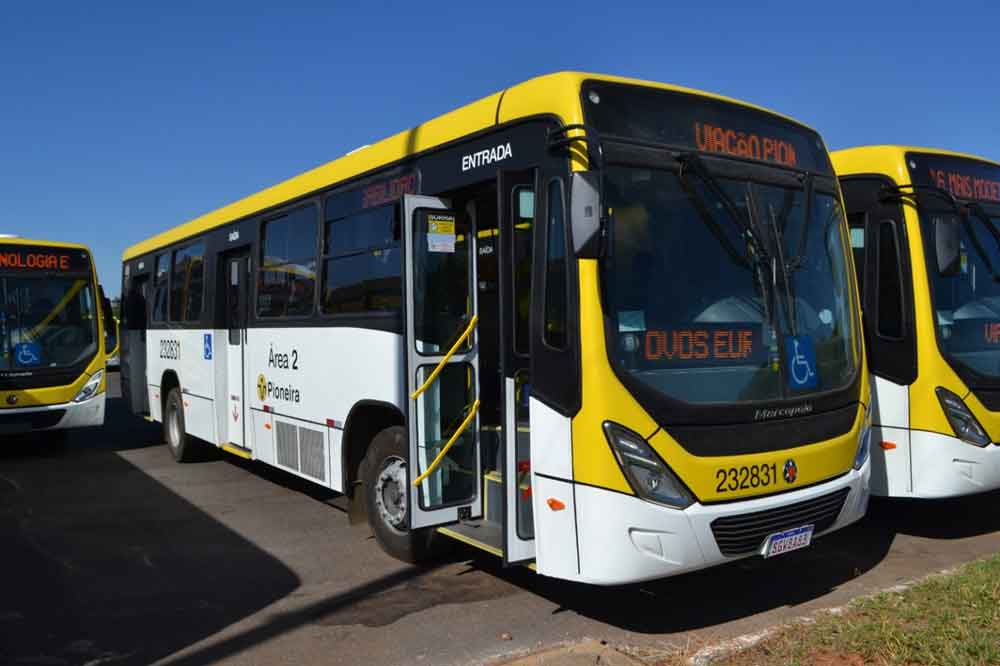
(386, 489)
(174, 429)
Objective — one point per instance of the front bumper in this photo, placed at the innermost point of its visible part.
(53, 417)
(623, 539)
(945, 466)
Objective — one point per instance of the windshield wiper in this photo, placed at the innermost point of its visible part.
(800, 251)
(779, 260)
(692, 162)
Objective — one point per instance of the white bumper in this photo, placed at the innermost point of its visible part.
(623, 539)
(945, 466)
(54, 417)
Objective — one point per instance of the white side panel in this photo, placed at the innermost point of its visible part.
(199, 416)
(890, 403)
(336, 459)
(891, 467)
(183, 352)
(552, 443)
(263, 436)
(555, 531)
(316, 374)
(945, 466)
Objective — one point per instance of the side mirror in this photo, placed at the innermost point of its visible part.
(585, 213)
(946, 246)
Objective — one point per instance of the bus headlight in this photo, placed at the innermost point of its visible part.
(89, 389)
(865, 445)
(646, 472)
(962, 421)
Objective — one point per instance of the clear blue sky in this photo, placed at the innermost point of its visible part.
(119, 120)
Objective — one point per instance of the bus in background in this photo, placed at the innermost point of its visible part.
(53, 316)
(603, 327)
(927, 253)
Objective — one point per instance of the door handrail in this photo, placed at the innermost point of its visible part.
(447, 357)
(440, 456)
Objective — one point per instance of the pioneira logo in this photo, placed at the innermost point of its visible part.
(783, 412)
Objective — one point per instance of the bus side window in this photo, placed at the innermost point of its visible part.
(856, 221)
(889, 291)
(160, 287)
(286, 278)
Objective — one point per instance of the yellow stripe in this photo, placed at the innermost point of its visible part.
(237, 451)
(472, 542)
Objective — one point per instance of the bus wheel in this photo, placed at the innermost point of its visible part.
(387, 498)
(174, 432)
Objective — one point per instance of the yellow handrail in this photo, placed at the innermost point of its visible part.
(458, 433)
(447, 357)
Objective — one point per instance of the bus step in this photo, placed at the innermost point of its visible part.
(482, 534)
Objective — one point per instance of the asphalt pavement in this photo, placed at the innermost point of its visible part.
(111, 553)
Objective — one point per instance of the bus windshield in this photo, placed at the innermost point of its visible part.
(967, 302)
(46, 322)
(702, 311)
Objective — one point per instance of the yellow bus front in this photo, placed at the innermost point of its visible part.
(51, 342)
(725, 395)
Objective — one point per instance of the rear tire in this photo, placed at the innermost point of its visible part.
(174, 432)
(387, 499)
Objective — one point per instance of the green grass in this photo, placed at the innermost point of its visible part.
(949, 620)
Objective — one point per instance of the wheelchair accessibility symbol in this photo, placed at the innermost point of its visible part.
(801, 358)
(27, 354)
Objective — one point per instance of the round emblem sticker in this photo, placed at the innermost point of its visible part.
(791, 471)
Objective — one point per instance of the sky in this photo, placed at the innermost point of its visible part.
(121, 120)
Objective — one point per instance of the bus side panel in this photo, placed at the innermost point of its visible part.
(890, 445)
(309, 378)
(183, 352)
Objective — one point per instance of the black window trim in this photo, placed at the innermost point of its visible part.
(903, 314)
(261, 222)
(397, 211)
(567, 256)
(172, 254)
(167, 254)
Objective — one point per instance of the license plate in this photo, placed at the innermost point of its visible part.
(789, 540)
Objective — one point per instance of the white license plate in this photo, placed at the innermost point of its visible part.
(787, 541)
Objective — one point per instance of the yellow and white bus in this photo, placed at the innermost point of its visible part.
(52, 329)
(603, 327)
(927, 252)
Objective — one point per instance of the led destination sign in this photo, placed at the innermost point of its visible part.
(964, 178)
(702, 342)
(31, 258)
(700, 123)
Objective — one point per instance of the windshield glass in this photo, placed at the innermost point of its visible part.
(46, 322)
(704, 313)
(967, 301)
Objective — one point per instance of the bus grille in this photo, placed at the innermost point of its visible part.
(311, 445)
(745, 533)
(288, 444)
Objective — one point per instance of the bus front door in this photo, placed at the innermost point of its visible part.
(442, 366)
(516, 201)
(236, 278)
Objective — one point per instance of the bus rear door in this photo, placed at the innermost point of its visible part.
(236, 280)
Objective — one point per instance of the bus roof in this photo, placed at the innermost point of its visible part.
(556, 94)
(17, 240)
(888, 159)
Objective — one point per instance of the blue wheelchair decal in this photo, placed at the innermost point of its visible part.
(801, 362)
(27, 354)
(208, 346)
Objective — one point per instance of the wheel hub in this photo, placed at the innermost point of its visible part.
(390, 493)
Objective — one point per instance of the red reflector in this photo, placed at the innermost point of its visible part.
(266, 408)
(523, 467)
(330, 423)
(887, 445)
(526, 494)
(555, 504)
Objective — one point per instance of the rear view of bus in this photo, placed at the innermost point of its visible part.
(927, 253)
(51, 338)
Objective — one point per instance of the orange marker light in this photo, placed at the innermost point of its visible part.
(888, 446)
(267, 426)
(555, 504)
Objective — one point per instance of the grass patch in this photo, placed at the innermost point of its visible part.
(949, 620)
